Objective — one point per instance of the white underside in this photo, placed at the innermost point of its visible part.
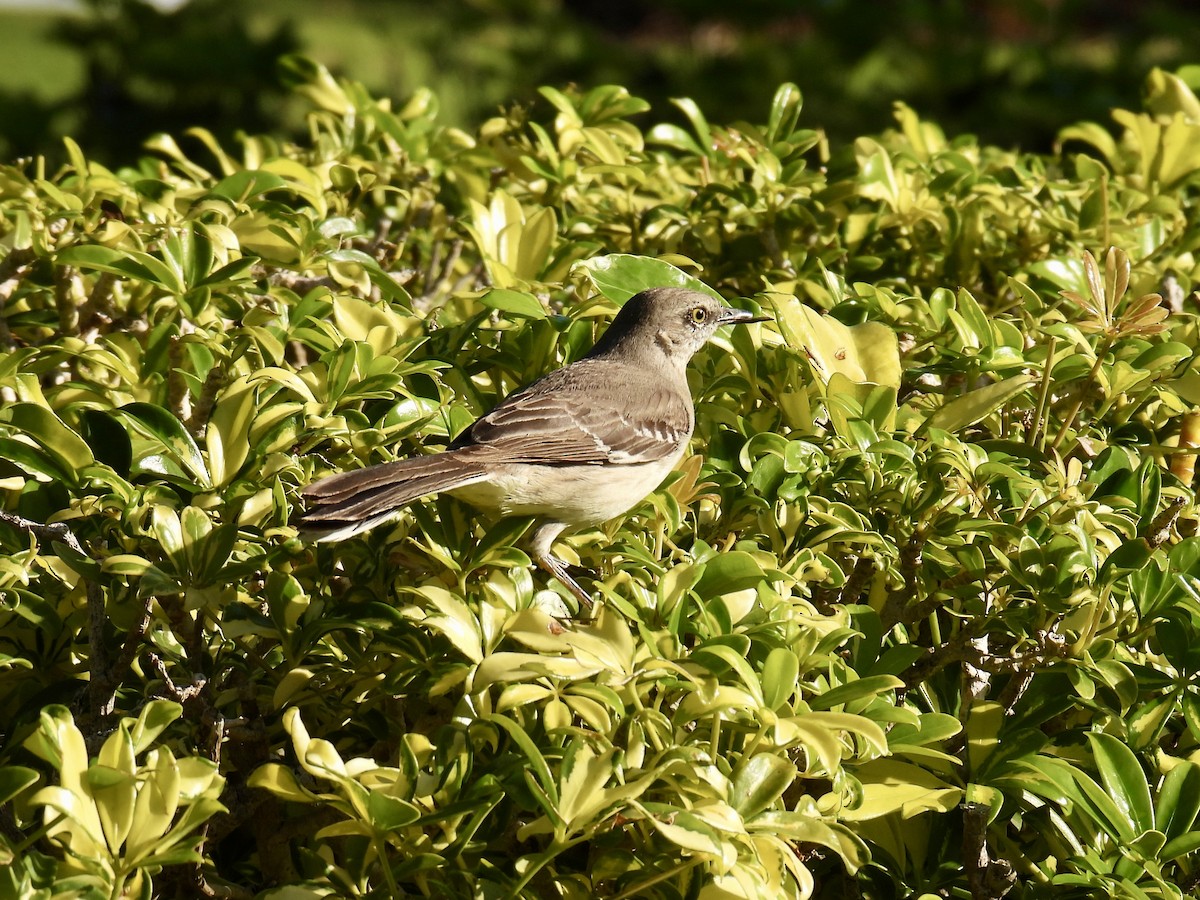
(577, 496)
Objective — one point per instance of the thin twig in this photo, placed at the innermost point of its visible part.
(1037, 434)
(447, 268)
(432, 270)
(1088, 383)
(173, 691)
(294, 281)
(955, 650)
(962, 648)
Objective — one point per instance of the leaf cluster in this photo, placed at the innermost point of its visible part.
(918, 616)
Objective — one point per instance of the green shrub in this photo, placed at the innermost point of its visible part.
(919, 616)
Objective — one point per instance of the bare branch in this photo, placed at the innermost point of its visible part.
(989, 879)
(216, 379)
(97, 310)
(173, 691)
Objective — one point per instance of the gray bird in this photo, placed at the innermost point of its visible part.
(577, 447)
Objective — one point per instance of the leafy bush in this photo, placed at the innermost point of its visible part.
(919, 616)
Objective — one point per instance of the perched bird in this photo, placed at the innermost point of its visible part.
(577, 447)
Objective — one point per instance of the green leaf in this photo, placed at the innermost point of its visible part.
(108, 441)
(674, 136)
(975, 406)
(806, 828)
(1123, 779)
(891, 786)
(866, 353)
(1065, 783)
(387, 813)
(1178, 802)
(34, 460)
(689, 832)
(70, 452)
(388, 286)
(169, 532)
(233, 271)
(1184, 845)
(780, 677)
(540, 769)
(84, 565)
(281, 782)
(1132, 556)
(227, 436)
(729, 572)
(860, 689)
(760, 782)
(728, 659)
(133, 264)
(619, 276)
(154, 718)
(785, 111)
(156, 423)
(699, 123)
(14, 780)
(242, 186)
(515, 302)
(1149, 480)
(984, 723)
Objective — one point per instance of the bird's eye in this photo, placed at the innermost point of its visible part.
(699, 315)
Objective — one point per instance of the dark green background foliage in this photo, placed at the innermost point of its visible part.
(919, 617)
(1010, 71)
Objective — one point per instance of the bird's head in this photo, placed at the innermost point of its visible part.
(676, 321)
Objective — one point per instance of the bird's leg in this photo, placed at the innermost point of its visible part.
(558, 569)
(545, 532)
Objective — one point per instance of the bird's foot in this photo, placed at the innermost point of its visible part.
(561, 571)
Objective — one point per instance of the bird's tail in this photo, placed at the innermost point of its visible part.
(350, 503)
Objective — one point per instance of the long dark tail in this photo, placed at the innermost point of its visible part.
(350, 503)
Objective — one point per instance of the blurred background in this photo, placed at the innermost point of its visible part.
(112, 72)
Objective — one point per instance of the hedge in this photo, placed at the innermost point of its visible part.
(919, 615)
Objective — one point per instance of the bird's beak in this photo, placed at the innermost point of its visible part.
(731, 316)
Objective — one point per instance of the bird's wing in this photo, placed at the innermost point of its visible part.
(594, 416)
